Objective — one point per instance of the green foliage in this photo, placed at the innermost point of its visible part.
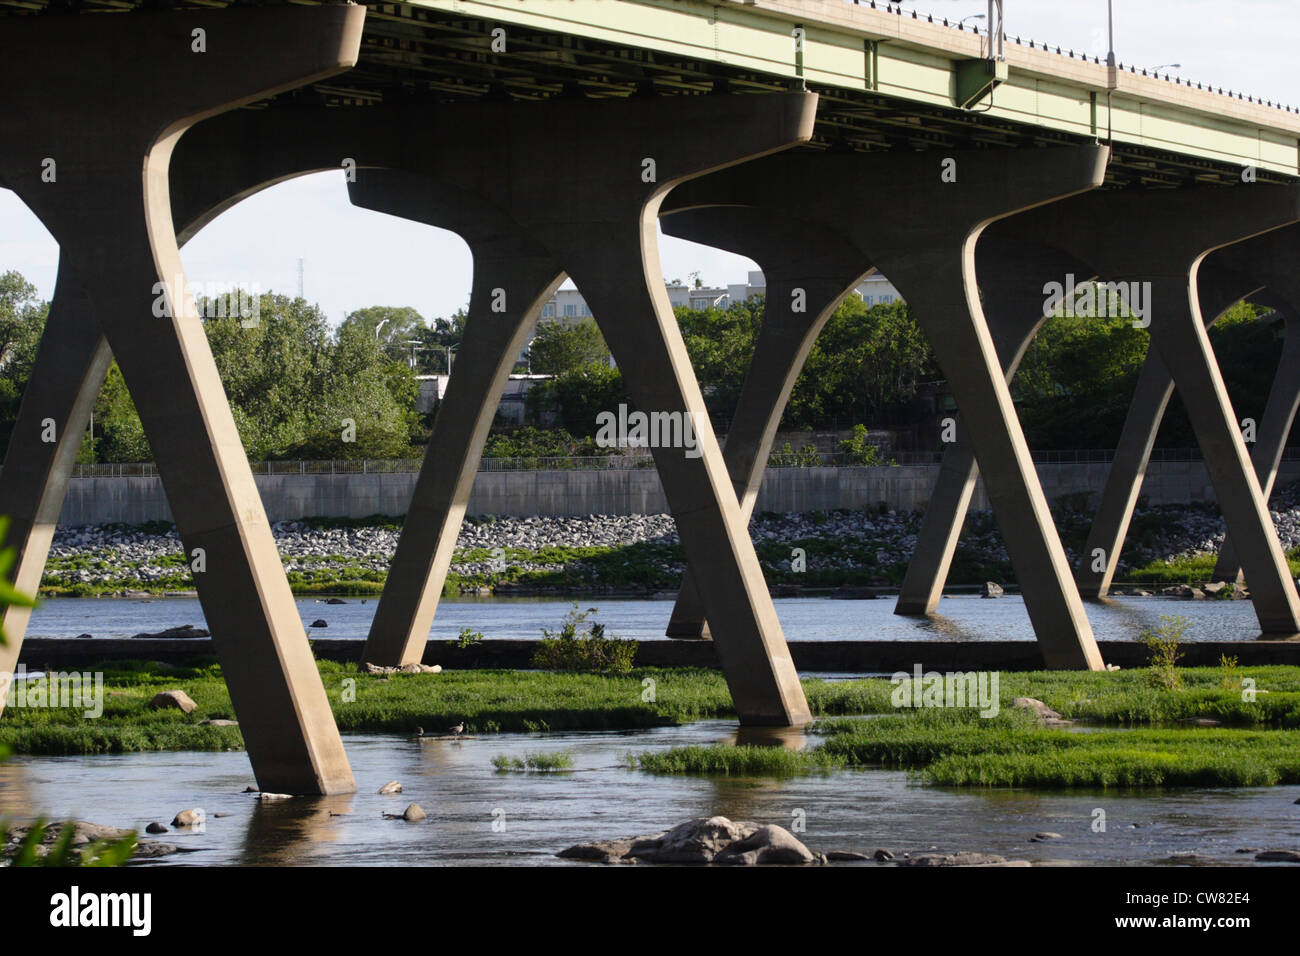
(528, 444)
(737, 761)
(543, 762)
(1228, 665)
(806, 457)
(467, 638)
(865, 366)
(392, 327)
(559, 348)
(579, 646)
(858, 450)
(574, 399)
(40, 846)
(22, 321)
(1162, 645)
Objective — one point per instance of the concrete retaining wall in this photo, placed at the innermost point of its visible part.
(286, 497)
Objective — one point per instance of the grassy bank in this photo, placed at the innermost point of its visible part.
(487, 701)
(1138, 736)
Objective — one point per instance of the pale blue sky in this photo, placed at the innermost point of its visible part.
(355, 258)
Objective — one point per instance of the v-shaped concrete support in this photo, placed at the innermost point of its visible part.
(594, 212)
(922, 234)
(809, 270)
(103, 138)
(1159, 240)
(1011, 274)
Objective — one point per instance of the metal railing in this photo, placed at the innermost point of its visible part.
(403, 466)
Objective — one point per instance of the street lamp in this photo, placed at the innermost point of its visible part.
(973, 16)
(1168, 66)
(378, 327)
(449, 349)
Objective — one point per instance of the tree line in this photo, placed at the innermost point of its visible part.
(301, 389)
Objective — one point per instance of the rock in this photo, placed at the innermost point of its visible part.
(250, 790)
(335, 600)
(269, 797)
(1246, 849)
(959, 859)
(80, 637)
(608, 851)
(845, 855)
(1184, 591)
(185, 630)
(1041, 710)
(152, 849)
(1214, 587)
(991, 590)
(1202, 722)
(377, 669)
(695, 841)
(157, 827)
(882, 856)
(218, 722)
(769, 844)
(1045, 835)
(1278, 856)
(414, 813)
(177, 699)
(188, 818)
(1140, 592)
(319, 622)
(391, 787)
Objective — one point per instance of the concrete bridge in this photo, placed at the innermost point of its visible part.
(770, 128)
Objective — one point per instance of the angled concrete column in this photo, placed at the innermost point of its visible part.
(809, 270)
(1219, 287)
(927, 211)
(1159, 238)
(1274, 259)
(1011, 274)
(594, 211)
(66, 376)
(109, 124)
(513, 279)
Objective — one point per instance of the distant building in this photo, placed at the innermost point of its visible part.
(568, 305)
(434, 387)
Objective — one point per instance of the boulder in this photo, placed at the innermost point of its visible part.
(767, 845)
(414, 813)
(991, 590)
(1045, 835)
(1278, 856)
(218, 722)
(1040, 710)
(319, 622)
(270, 797)
(335, 600)
(960, 859)
(695, 841)
(607, 851)
(847, 856)
(184, 631)
(882, 856)
(173, 699)
(188, 818)
(156, 827)
(391, 787)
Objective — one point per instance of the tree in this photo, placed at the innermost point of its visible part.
(22, 322)
(393, 326)
(558, 348)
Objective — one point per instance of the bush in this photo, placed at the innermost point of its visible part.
(1162, 643)
(579, 646)
(858, 450)
(806, 457)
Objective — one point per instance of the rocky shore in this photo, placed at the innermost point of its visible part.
(498, 550)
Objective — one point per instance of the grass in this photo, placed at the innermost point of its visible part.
(553, 761)
(488, 701)
(1136, 740)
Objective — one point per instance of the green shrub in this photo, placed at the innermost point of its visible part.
(579, 646)
(1162, 644)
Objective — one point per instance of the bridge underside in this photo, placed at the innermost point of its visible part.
(444, 131)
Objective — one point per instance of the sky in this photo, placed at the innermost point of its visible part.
(354, 258)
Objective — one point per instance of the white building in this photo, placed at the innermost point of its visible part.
(568, 304)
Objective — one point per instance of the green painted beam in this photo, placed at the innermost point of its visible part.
(857, 48)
